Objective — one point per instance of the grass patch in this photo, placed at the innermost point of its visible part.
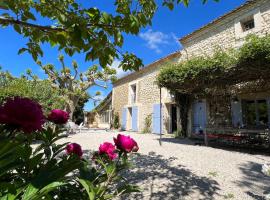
(229, 196)
(213, 173)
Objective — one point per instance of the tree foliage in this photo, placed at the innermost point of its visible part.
(38, 90)
(249, 63)
(78, 115)
(73, 27)
(74, 85)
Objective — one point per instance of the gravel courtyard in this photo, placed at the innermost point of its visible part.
(180, 170)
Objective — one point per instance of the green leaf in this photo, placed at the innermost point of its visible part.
(51, 187)
(3, 5)
(33, 193)
(30, 192)
(29, 15)
(88, 186)
(126, 189)
(17, 28)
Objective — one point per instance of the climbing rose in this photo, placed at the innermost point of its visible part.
(74, 148)
(126, 143)
(58, 116)
(109, 149)
(23, 114)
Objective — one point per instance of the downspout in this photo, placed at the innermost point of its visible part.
(160, 113)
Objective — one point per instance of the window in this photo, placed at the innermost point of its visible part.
(133, 92)
(105, 117)
(255, 113)
(249, 111)
(262, 112)
(248, 24)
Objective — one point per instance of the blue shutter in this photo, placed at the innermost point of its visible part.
(156, 119)
(203, 114)
(237, 117)
(134, 118)
(199, 116)
(124, 119)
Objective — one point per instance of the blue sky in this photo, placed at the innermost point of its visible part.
(151, 44)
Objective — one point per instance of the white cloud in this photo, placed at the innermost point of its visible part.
(176, 39)
(156, 39)
(119, 71)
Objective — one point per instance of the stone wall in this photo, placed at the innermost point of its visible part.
(148, 94)
(224, 33)
(219, 108)
(227, 33)
(119, 98)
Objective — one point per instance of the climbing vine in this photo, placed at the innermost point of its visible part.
(202, 74)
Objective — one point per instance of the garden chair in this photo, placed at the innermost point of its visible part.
(82, 127)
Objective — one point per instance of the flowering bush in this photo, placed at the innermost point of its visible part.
(49, 169)
(74, 148)
(23, 114)
(58, 116)
(126, 143)
(108, 149)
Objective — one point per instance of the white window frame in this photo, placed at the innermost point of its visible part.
(130, 93)
(256, 15)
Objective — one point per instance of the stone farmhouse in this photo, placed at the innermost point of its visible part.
(101, 116)
(136, 97)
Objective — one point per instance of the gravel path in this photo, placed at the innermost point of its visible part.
(180, 170)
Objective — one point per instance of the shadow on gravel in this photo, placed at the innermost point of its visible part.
(217, 145)
(184, 141)
(254, 182)
(160, 179)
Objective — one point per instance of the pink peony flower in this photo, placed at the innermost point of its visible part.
(126, 143)
(58, 116)
(74, 148)
(23, 114)
(109, 149)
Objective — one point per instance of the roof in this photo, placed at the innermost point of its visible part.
(244, 5)
(103, 103)
(154, 64)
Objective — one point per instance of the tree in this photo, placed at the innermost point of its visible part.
(40, 91)
(78, 115)
(74, 85)
(74, 28)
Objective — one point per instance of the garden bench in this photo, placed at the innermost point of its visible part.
(239, 137)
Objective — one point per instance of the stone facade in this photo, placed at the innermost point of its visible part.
(101, 116)
(147, 94)
(228, 31)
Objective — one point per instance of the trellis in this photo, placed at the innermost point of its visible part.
(224, 73)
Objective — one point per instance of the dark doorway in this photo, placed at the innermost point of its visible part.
(174, 118)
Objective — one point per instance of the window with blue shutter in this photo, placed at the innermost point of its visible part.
(199, 116)
(237, 116)
(124, 119)
(156, 119)
(135, 118)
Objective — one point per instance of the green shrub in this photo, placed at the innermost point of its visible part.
(147, 124)
(178, 134)
(116, 123)
(40, 91)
